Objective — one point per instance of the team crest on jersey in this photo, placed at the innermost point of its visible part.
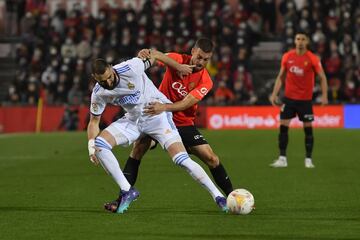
(94, 107)
(191, 86)
(130, 86)
(306, 63)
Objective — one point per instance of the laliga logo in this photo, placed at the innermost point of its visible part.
(216, 121)
(180, 88)
(297, 71)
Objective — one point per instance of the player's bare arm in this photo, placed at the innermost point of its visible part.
(92, 132)
(153, 55)
(278, 83)
(144, 54)
(324, 87)
(157, 108)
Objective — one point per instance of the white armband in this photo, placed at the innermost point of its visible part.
(147, 64)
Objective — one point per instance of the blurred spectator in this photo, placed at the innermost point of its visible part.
(348, 47)
(243, 87)
(223, 95)
(53, 57)
(14, 12)
(267, 8)
(75, 95)
(70, 120)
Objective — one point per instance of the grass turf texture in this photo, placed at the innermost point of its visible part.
(49, 190)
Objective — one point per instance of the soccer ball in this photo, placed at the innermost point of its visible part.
(240, 201)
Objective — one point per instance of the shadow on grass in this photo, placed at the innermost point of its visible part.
(134, 210)
(49, 209)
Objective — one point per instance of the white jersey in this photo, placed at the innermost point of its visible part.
(134, 91)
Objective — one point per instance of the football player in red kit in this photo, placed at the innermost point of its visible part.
(297, 72)
(185, 92)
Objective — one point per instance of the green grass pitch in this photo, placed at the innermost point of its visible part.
(50, 190)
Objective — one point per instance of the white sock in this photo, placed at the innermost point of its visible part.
(110, 163)
(197, 172)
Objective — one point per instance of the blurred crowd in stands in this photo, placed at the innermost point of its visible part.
(54, 56)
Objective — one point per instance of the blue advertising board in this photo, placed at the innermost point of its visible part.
(352, 116)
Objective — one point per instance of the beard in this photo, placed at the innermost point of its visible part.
(108, 87)
(197, 69)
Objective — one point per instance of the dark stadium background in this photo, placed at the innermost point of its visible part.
(50, 190)
(46, 47)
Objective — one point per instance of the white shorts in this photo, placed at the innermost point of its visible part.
(160, 127)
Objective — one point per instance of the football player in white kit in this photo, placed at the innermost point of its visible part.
(127, 85)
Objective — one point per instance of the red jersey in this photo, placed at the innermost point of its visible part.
(176, 89)
(300, 74)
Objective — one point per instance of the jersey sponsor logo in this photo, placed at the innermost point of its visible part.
(128, 99)
(179, 88)
(297, 70)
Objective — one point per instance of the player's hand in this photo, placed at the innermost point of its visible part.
(184, 70)
(324, 100)
(154, 108)
(92, 149)
(274, 99)
(144, 54)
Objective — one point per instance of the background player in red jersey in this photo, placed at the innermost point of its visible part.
(297, 72)
(185, 92)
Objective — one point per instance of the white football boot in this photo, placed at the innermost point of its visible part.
(308, 163)
(281, 162)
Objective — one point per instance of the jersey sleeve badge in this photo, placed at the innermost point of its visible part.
(94, 107)
(191, 86)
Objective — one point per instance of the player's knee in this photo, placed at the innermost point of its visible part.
(212, 160)
(106, 136)
(180, 157)
(139, 149)
(101, 142)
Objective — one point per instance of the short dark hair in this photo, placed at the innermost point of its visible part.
(302, 33)
(99, 66)
(205, 45)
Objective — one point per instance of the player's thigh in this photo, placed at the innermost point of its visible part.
(191, 136)
(162, 128)
(124, 131)
(287, 110)
(305, 111)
